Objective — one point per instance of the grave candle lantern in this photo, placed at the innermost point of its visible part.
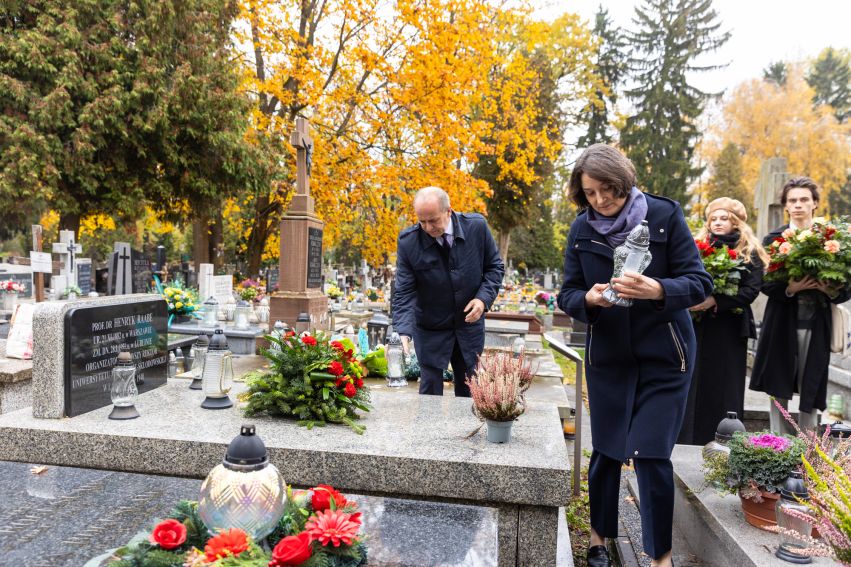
(518, 347)
(723, 434)
(217, 376)
(633, 256)
(793, 494)
(395, 362)
(302, 323)
(211, 312)
(241, 314)
(200, 349)
(245, 491)
(124, 392)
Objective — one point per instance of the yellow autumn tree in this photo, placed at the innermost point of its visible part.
(765, 120)
(388, 91)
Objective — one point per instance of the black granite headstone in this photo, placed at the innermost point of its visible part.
(93, 338)
(142, 273)
(84, 277)
(22, 278)
(272, 275)
(314, 257)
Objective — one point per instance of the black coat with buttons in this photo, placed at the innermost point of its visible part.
(639, 359)
(433, 287)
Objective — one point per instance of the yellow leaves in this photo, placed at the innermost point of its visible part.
(765, 120)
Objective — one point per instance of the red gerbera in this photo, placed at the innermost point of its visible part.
(308, 340)
(334, 527)
(227, 542)
(350, 390)
(335, 368)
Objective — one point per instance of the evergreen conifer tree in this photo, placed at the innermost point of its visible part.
(776, 73)
(830, 77)
(726, 180)
(669, 37)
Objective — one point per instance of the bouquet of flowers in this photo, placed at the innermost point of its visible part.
(372, 294)
(319, 528)
(822, 252)
(11, 286)
(250, 290)
(180, 301)
(724, 265)
(334, 292)
(546, 299)
(311, 379)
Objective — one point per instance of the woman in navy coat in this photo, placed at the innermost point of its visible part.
(638, 360)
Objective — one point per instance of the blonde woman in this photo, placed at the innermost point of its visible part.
(724, 326)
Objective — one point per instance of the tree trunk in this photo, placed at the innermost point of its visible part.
(502, 241)
(70, 221)
(200, 241)
(261, 228)
(217, 246)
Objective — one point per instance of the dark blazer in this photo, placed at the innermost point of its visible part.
(639, 359)
(432, 289)
(774, 364)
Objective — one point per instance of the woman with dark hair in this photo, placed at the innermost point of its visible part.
(723, 324)
(639, 359)
(793, 355)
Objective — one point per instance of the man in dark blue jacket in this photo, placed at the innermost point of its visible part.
(448, 273)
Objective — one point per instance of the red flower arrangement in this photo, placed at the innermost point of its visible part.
(822, 252)
(312, 379)
(321, 528)
(724, 265)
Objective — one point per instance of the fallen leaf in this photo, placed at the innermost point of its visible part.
(41, 469)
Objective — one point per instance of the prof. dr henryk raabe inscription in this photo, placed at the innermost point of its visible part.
(95, 336)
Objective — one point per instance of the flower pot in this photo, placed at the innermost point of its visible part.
(182, 319)
(10, 300)
(499, 431)
(760, 514)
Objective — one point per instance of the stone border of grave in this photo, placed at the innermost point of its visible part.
(414, 447)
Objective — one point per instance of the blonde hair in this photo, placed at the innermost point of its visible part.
(748, 244)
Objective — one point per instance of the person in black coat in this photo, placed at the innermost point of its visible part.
(639, 359)
(448, 273)
(793, 355)
(723, 324)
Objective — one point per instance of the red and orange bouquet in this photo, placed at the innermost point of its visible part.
(312, 379)
(822, 252)
(319, 527)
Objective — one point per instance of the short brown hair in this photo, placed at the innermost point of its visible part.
(605, 164)
(799, 183)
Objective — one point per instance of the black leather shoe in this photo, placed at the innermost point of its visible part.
(598, 556)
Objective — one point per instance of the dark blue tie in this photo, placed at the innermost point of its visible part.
(445, 243)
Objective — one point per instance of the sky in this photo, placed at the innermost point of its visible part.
(763, 31)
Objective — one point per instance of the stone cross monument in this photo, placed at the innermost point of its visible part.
(772, 176)
(300, 264)
(67, 250)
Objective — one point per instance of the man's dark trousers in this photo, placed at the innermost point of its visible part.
(431, 377)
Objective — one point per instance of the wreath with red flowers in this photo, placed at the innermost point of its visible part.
(320, 527)
(312, 379)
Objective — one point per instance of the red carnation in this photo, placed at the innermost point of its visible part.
(168, 534)
(359, 383)
(337, 345)
(708, 251)
(292, 550)
(322, 496)
(335, 368)
(349, 390)
(732, 253)
(308, 340)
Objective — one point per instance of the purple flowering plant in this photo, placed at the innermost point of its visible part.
(773, 442)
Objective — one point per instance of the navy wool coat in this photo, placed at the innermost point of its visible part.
(432, 289)
(775, 364)
(638, 360)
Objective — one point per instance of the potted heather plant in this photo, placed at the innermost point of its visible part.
(498, 389)
(756, 467)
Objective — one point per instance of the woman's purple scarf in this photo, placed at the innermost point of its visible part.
(615, 229)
